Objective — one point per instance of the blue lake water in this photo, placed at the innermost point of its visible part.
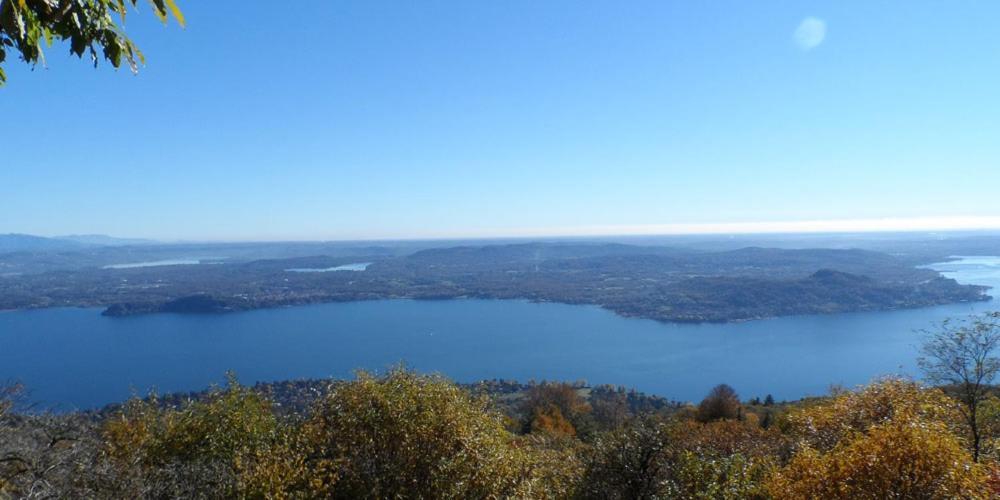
(361, 266)
(76, 358)
(155, 263)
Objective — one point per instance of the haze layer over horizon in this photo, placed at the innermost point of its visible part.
(802, 227)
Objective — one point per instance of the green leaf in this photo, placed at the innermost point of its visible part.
(159, 9)
(138, 53)
(91, 27)
(113, 53)
(77, 44)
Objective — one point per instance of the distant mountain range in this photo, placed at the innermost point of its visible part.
(14, 242)
(105, 240)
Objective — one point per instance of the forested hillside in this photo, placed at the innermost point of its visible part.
(655, 282)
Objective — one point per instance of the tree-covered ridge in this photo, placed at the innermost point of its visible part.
(655, 282)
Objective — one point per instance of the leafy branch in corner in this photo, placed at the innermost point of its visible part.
(92, 27)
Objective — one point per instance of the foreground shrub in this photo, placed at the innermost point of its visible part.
(413, 436)
(7, 471)
(40, 455)
(892, 439)
(653, 458)
(731, 477)
(230, 445)
(824, 424)
(632, 462)
(989, 426)
(730, 437)
(405, 435)
(725, 459)
(552, 468)
(892, 460)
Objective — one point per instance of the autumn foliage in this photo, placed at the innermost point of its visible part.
(893, 439)
(408, 435)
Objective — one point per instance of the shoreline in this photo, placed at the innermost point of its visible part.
(102, 310)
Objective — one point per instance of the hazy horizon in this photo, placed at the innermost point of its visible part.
(954, 225)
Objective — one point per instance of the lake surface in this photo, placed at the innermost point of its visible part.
(155, 263)
(76, 358)
(361, 266)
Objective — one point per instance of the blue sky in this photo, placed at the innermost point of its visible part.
(340, 120)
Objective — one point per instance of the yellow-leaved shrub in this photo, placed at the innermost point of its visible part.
(230, 443)
(410, 435)
(892, 439)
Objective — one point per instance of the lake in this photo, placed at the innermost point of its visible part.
(76, 358)
(157, 263)
(361, 266)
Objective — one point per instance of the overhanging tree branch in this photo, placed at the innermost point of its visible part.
(90, 27)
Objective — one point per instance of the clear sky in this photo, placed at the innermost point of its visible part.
(367, 119)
